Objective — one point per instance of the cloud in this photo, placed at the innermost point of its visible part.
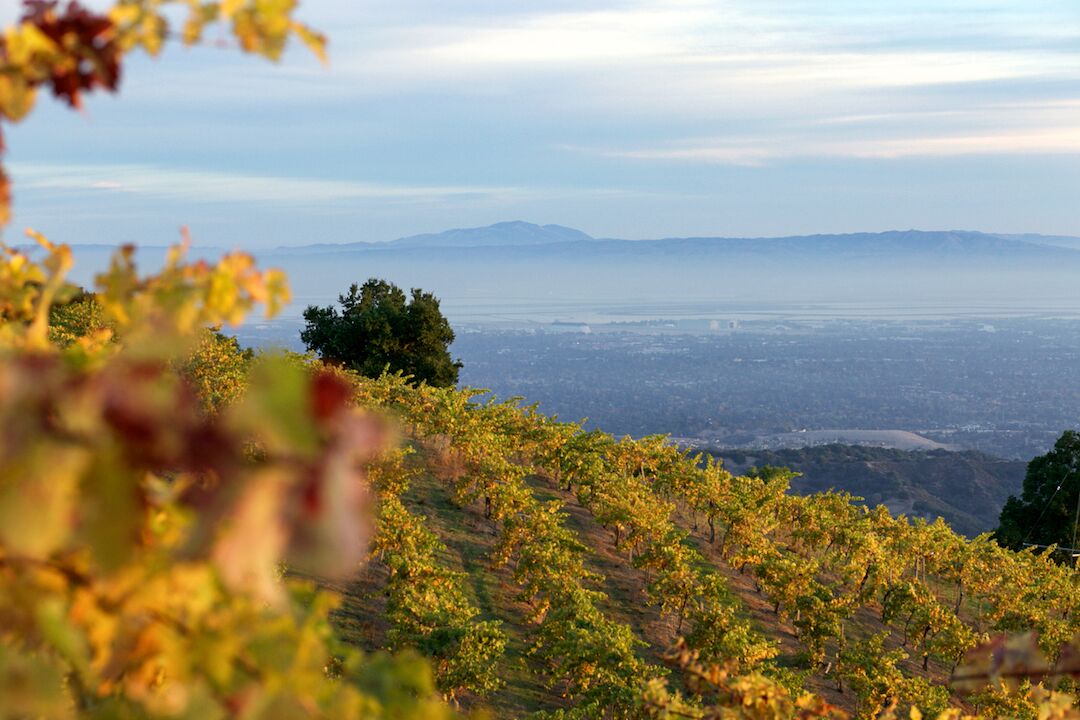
(227, 187)
(429, 108)
(1035, 127)
(280, 193)
(772, 40)
(681, 57)
(759, 151)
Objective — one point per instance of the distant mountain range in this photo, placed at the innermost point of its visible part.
(1055, 240)
(513, 233)
(523, 272)
(558, 239)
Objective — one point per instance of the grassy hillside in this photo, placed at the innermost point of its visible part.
(967, 489)
(547, 569)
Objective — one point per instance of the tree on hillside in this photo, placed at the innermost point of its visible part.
(1045, 514)
(378, 328)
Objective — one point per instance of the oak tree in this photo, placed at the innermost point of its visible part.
(1045, 513)
(378, 329)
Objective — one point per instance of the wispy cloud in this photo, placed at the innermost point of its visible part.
(619, 115)
(225, 187)
(1036, 127)
(740, 41)
(684, 57)
(758, 151)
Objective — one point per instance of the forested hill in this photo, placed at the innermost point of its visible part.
(967, 489)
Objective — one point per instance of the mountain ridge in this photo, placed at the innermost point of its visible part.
(522, 234)
(555, 272)
(550, 238)
(503, 234)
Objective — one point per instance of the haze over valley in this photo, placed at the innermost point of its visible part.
(518, 274)
(909, 339)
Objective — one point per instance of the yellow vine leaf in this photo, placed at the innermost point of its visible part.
(315, 41)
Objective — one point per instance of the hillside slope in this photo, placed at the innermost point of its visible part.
(545, 568)
(967, 489)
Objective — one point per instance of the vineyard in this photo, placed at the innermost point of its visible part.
(867, 610)
(189, 529)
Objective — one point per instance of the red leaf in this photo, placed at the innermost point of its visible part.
(330, 395)
(89, 37)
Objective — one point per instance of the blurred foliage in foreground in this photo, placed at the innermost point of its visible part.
(142, 537)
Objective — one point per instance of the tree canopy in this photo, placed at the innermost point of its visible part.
(1045, 513)
(378, 328)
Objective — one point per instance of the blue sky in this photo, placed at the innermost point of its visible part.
(624, 119)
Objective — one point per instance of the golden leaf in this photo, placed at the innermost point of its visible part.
(315, 41)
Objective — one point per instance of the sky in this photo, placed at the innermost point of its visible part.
(623, 119)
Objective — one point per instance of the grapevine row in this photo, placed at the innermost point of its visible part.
(588, 657)
(427, 606)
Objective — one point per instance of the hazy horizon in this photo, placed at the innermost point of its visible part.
(539, 223)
